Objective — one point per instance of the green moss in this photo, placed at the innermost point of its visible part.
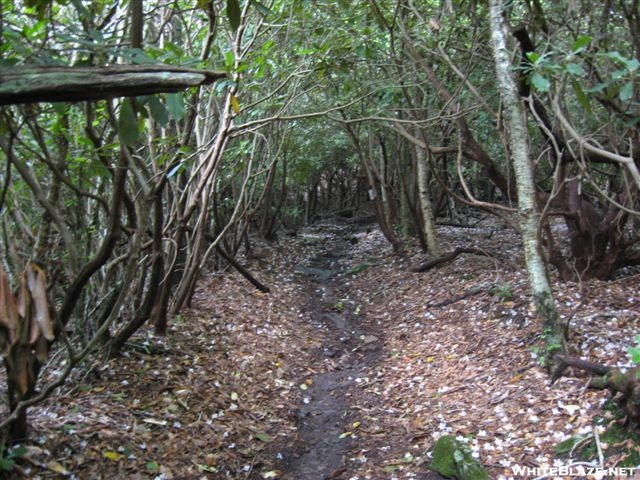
(564, 448)
(356, 269)
(622, 443)
(452, 458)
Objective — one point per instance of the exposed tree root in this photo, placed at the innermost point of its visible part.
(447, 257)
(627, 384)
(469, 293)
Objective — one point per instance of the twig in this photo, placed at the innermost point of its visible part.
(469, 293)
(578, 445)
(596, 437)
(250, 469)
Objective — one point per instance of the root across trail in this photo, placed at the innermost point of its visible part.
(350, 367)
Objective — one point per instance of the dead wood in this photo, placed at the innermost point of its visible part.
(447, 257)
(243, 271)
(626, 383)
(564, 362)
(469, 293)
(74, 84)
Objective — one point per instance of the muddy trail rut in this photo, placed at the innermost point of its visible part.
(351, 347)
(347, 352)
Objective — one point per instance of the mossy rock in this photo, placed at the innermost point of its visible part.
(359, 268)
(453, 459)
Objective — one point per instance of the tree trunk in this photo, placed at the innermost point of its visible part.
(137, 23)
(529, 218)
(428, 220)
(379, 206)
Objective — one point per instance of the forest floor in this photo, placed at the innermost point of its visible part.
(351, 368)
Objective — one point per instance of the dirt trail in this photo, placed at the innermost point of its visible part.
(389, 360)
(327, 442)
(348, 351)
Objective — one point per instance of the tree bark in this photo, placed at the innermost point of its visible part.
(137, 23)
(553, 330)
(428, 220)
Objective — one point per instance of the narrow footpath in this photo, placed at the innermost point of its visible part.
(329, 406)
(346, 354)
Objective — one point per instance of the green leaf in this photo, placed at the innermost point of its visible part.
(540, 83)
(626, 92)
(581, 42)
(618, 74)
(229, 60)
(204, 5)
(260, 7)
(111, 455)
(152, 466)
(616, 56)
(6, 464)
(597, 88)
(175, 105)
(580, 95)
(61, 108)
(633, 64)
(158, 111)
(140, 57)
(263, 437)
(206, 468)
(575, 69)
(458, 456)
(233, 14)
(40, 6)
(18, 451)
(127, 123)
(533, 56)
(635, 354)
(235, 104)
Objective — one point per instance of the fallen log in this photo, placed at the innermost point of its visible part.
(29, 84)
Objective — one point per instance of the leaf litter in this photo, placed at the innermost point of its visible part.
(455, 353)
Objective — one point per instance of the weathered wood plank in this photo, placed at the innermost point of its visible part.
(73, 84)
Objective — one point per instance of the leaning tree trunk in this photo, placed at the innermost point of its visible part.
(529, 217)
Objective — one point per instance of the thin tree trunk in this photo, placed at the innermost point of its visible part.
(137, 23)
(428, 220)
(379, 207)
(553, 331)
